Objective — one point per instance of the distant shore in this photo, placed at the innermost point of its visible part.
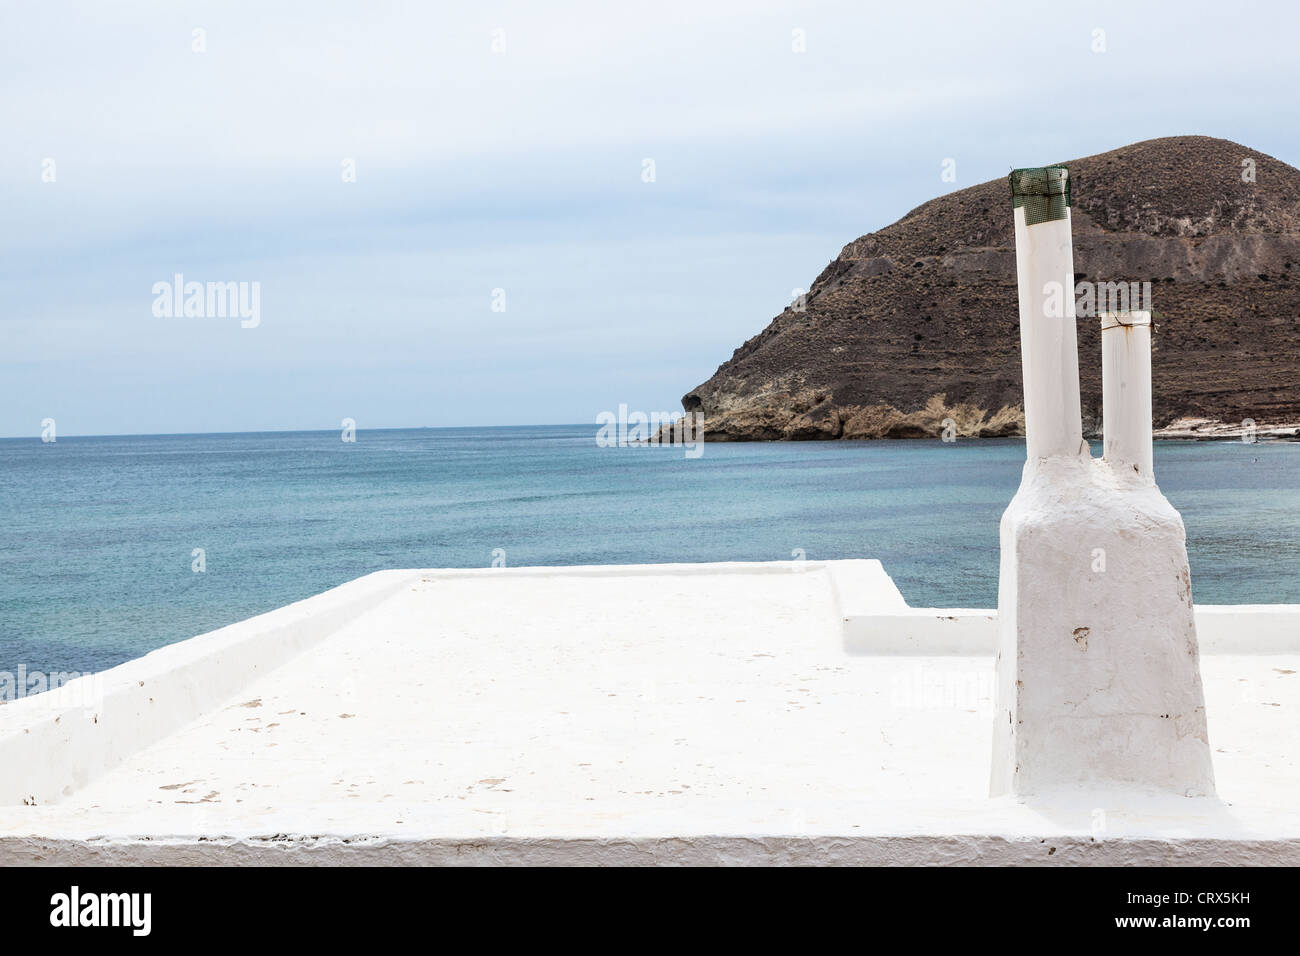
(1007, 424)
(1205, 429)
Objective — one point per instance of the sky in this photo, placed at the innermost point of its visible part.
(493, 213)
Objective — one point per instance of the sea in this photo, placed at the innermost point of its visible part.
(114, 546)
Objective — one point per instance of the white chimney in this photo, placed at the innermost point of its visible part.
(1126, 390)
(1098, 676)
(1049, 346)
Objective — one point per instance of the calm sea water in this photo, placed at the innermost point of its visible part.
(98, 533)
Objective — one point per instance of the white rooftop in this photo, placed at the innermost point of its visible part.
(786, 712)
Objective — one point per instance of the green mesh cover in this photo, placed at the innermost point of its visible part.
(1044, 192)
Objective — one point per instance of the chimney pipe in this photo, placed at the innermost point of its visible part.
(1048, 341)
(1098, 679)
(1126, 390)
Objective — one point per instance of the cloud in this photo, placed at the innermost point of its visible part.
(519, 169)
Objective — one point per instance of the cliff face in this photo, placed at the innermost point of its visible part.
(919, 322)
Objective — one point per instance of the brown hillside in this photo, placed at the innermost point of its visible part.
(918, 321)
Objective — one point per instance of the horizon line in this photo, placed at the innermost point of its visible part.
(291, 431)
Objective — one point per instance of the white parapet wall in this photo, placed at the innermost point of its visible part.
(1236, 629)
(53, 743)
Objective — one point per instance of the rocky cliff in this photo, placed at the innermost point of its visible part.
(918, 322)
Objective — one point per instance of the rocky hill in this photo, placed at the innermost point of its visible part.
(918, 322)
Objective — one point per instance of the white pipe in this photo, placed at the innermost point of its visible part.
(1098, 688)
(1049, 347)
(1126, 390)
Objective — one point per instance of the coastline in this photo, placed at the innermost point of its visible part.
(926, 424)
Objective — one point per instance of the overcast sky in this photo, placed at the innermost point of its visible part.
(521, 169)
